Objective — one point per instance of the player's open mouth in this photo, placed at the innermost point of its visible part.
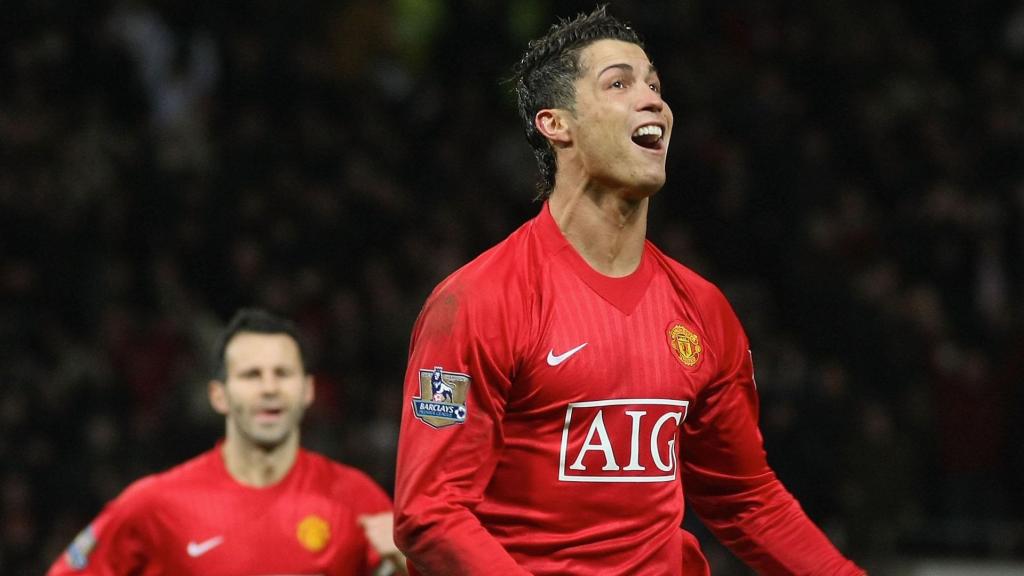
(650, 136)
(269, 413)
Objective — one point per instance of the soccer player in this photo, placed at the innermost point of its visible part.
(596, 382)
(257, 503)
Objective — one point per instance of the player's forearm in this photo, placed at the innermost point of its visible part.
(768, 530)
(452, 543)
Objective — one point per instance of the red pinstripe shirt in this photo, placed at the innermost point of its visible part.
(581, 410)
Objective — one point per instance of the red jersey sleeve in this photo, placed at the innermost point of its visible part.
(445, 463)
(726, 475)
(114, 543)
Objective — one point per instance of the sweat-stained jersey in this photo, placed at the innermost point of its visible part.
(575, 411)
(196, 519)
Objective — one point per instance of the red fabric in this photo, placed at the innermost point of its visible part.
(575, 468)
(149, 528)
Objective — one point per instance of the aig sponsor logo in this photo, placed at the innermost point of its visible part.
(624, 440)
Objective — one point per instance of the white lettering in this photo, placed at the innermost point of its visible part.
(634, 444)
(608, 423)
(677, 416)
(597, 426)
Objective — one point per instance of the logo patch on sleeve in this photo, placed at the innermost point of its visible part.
(80, 548)
(442, 399)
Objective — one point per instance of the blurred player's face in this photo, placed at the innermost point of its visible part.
(621, 127)
(266, 391)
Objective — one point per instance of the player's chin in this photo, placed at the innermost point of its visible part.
(649, 173)
(269, 441)
(649, 184)
(270, 434)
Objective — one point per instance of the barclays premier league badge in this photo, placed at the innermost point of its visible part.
(442, 399)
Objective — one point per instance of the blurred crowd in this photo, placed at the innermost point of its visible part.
(848, 171)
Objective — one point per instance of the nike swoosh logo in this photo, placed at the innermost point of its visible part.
(556, 360)
(198, 549)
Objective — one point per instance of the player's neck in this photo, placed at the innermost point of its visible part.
(256, 466)
(606, 229)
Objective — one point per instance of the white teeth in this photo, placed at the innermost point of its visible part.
(648, 130)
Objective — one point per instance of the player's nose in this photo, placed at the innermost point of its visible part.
(650, 100)
(270, 385)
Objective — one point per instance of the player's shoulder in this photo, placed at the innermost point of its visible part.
(341, 480)
(492, 275)
(330, 468)
(148, 489)
(499, 263)
(716, 315)
(704, 291)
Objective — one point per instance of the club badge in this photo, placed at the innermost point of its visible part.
(685, 344)
(442, 399)
(313, 533)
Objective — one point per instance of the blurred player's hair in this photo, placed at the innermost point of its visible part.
(258, 321)
(545, 75)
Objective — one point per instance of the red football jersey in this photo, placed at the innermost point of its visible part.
(555, 417)
(196, 519)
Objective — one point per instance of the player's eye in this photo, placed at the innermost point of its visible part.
(618, 84)
(656, 87)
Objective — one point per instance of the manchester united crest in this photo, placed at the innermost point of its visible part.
(313, 533)
(685, 344)
(442, 399)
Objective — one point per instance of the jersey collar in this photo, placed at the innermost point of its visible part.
(623, 293)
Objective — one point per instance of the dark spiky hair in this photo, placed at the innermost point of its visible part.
(545, 76)
(258, 321)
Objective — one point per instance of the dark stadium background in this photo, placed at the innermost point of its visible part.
(848, 171)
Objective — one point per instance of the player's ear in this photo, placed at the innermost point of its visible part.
(310, 391)
(552, 124)
(218, 396)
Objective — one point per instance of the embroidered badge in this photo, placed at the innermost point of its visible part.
(442, 399)
(81, 547)
(313, 533)
(685, 344)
